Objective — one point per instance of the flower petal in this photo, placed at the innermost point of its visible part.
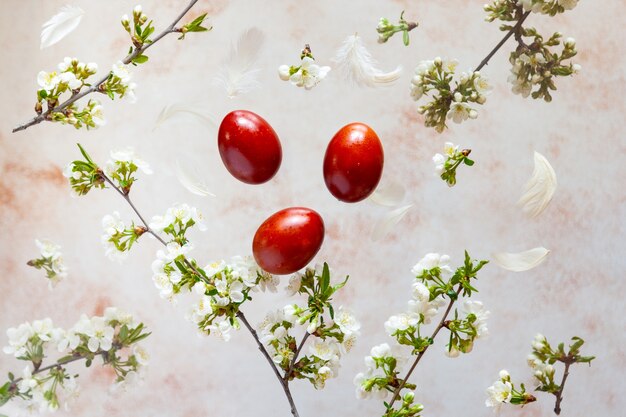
(540, 188)
(523, 261)
(60, 25)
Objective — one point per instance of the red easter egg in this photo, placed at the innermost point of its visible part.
(249, 147)
(288, 240)
(353, 163)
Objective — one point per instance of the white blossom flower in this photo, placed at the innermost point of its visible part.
(431, 261)
(121, 71)
(481, 84)
(174, 250)
(48, 248)
(141, 355)
(568, 4)
(96, 114)
(401, 322)
(48, 80)
(324, 349)
(43, 329)
(18, 338)
(28, 381)
(459, 112)
(498, 394)
(68, 340)
(295, 281)
(309, 74)
(70, 79)
(214, 268)
(128, 155)
(440, 162)
(99, 333)
(346, 321)
(477, 309)
(221, 330)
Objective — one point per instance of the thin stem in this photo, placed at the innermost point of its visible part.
(559, 393)
(514, 30)
(283, 382)
(75, 358)
(95, 87)
(295, 356)
(396, 394)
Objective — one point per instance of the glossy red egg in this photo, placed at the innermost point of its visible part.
(288, 240)
(249, 147)
(353, 163)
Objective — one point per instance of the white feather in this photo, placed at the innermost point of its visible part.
(238, 74)
(523, 261)
(390, 194)
(172, 110)
(358, 65)
(540, 188)
(191, 182)
(388, 222)
(60, 25)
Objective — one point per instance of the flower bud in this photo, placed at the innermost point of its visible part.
(481, 99)
(504, 374)
(137, 10)
(576, 68)
(438, 61)
(283, 72)
(125, 20)
(570, 43)
(458, 97)
(473, 114)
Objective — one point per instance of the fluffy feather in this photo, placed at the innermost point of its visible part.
(238, 74)
(523, 261)
(388, 222)
(60, 25)
(390, 194)
(540, 188)
(358, 65)
(191, 182)
(172, 110)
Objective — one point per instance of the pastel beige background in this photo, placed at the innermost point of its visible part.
(579, 290)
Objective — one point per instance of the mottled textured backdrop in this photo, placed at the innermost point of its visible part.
(579, 290)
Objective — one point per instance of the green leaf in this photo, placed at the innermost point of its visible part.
(124, 332)
(405, 37)
(468, 162)
(85, 154)
(331, 310)
(141, 59)
(325, 278)
(42, 94)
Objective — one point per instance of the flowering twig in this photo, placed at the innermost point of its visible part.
(441, 325)
(101, 178)
(138, 51)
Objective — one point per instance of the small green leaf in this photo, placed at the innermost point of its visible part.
(468, 162)
(325, 278)
(331, 310)
(85, 154)
(141, 59)
(405, 37)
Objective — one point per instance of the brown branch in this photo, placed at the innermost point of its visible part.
(559, 393)
(96, 87)
(396, 393)
(515, 30)
(284, 383)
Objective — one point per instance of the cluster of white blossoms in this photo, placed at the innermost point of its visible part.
(122, 166)
(382, 367)
(45, 388)
(436, 284)
(331, 332)
(51, 261)
(117, 238)
(550, 7)
(434, 80)
(543, 372)
(308, 74)
(71, 75)
(503, 391)
(227, 286)
(119, 83)
(447, 163)
(534, 69)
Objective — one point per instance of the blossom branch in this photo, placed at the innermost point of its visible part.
(441, 325)
(283, 382)
(515, 30)
(96, 87)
